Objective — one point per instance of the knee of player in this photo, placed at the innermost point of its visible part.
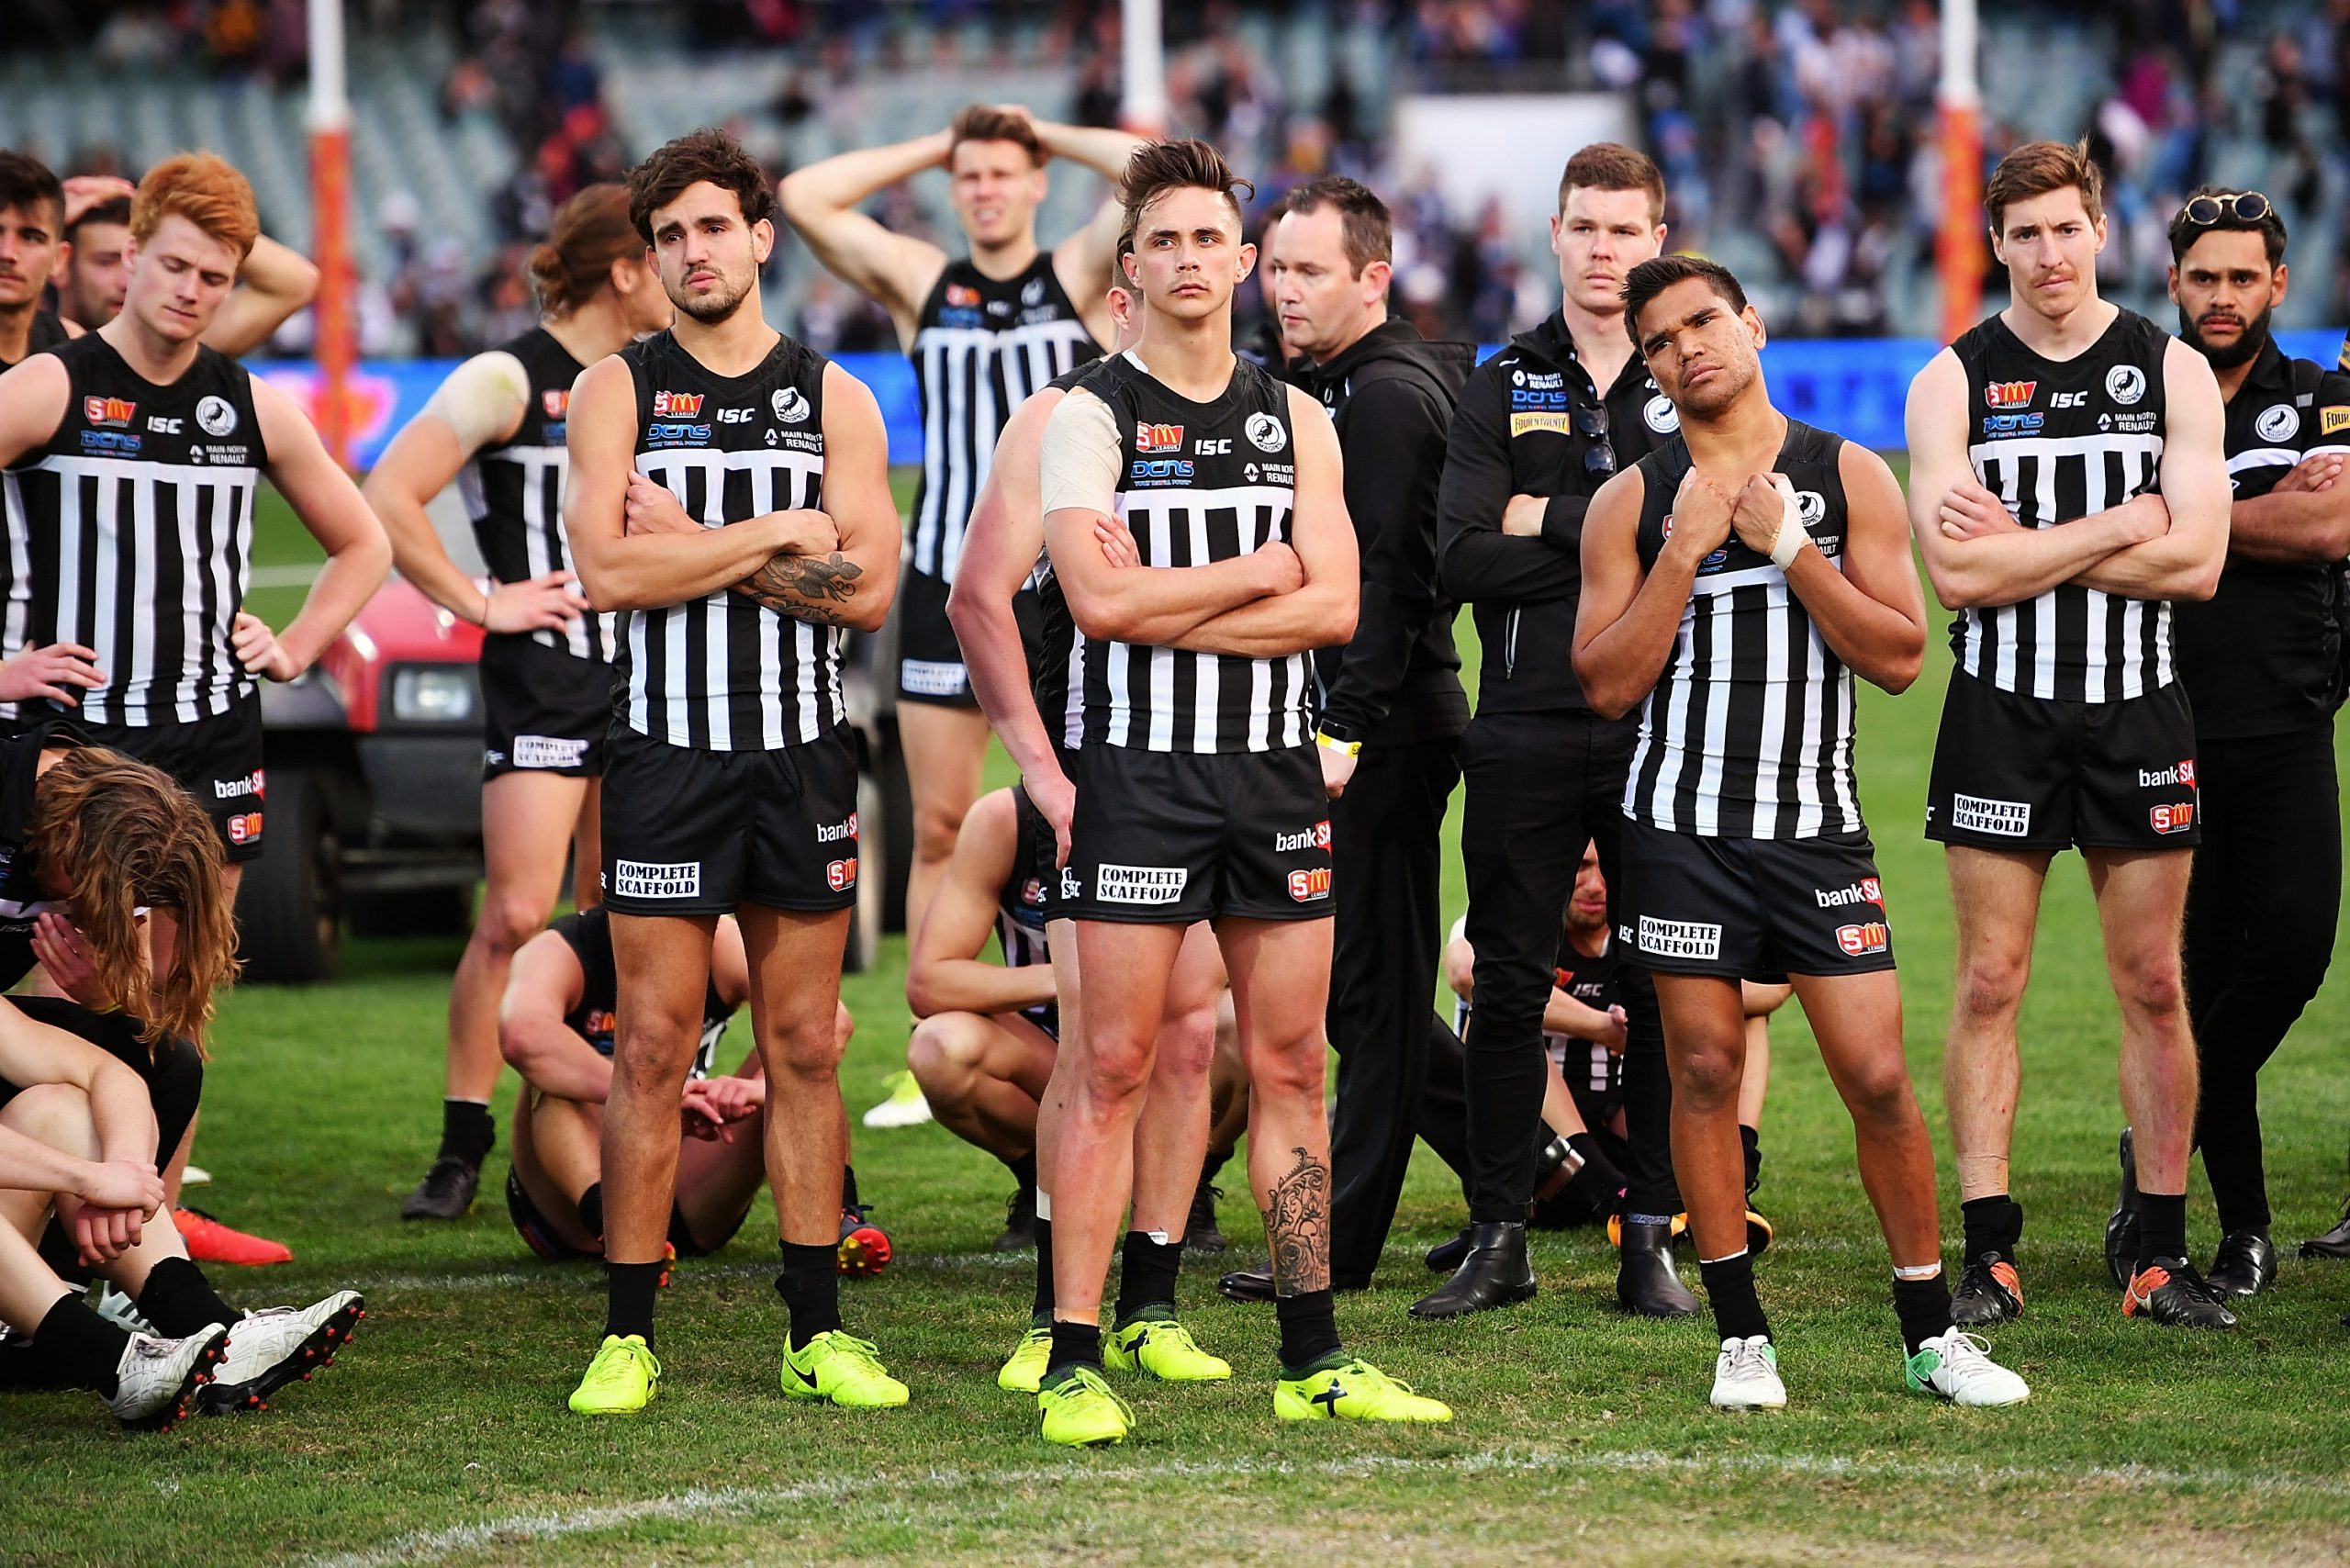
(1294, 1069)
(813, 1048)
(1991, 985)
(936, 824)
(1708, 1077)
(507, 920)
(943, 1048)
(2150, 985)
(655, 1060)
(57, 1114)
(1880, 1092)
(1118, 1068)
(1187, 1041)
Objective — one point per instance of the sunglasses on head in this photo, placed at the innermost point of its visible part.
(2249, 206)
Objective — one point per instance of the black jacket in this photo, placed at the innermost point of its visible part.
(1521, 432)
(1390, 395)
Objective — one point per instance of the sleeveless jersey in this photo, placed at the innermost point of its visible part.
(513, 491)
(1749, 732)
(1198, 483)
(2056, 441)
(724, 672)
(1020, 904)
(982, 346)
(48, 332)
(1058, 628)
(130, 532)
(588, 934)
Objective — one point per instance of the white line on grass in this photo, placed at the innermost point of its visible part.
(432, 1546)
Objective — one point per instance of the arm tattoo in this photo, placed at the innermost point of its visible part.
(807, 588)
(1297, 1225)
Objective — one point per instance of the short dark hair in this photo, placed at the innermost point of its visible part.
(705, 154)
(978, 122)
(1612, 166)
(1654, 276)
(26, 182)
(2184, 231)
(114, 209)
(1370, 230)
(2038, 167)
(1157, 167)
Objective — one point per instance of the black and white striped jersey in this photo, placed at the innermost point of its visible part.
(1749, 731)
(513, 490)
(983, 345)
(724, 672)
(2057, 441)
(1197, 483)
(1056, 628)
(130, 532)
(1020, 902)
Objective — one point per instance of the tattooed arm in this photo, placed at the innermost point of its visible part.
(851, 582)
(806, 588)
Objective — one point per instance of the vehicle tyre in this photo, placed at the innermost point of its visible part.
(865, 920)
(289, 909)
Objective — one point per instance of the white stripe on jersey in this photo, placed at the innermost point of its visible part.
(962, 419)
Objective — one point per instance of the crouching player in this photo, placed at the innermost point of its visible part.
(1735, 581)
(556, 1027)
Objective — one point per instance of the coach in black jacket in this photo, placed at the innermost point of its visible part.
(1394, 709)
(1533, 438)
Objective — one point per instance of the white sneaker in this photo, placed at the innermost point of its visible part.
(156, 1378)
(277, 1344)
(121, 1311)
(194, 1176)
(1957, 1366)
(1746, 1376)
(905, 1107)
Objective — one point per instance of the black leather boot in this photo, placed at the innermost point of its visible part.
(1446, 1255)
(1645, 1281)
(1496, 1273)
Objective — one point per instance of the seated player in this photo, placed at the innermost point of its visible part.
(78, 1142)
(555, 1029)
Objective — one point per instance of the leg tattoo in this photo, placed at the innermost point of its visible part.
(1297, 1225)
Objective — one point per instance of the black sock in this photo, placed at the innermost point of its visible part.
(1146, 1270)
(2162, 1227)
(811, 1286)
(1730, 1285)
(468, 1130)
(1023, 1170)
(1923, 1306)
(1074, 1345)
(848, 1187)
(1599, 1183)
(1042, 1310)
(1309, 1330)
(1752, 1140)
(591, 1211)
(85, 1347)
(1994, 1224)
(628, 1298)
(1215, 1163)
(178, 1300)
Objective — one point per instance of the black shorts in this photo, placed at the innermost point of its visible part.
(549, 1244)
(215, 759)
(1167, 839)
(543, 711)
(1746, 907)
(2032, 773)
(930, 660)
(691, 831)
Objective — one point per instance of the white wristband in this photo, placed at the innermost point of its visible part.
(1792, 536)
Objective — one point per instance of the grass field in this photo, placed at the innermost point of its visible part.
(441, 1437)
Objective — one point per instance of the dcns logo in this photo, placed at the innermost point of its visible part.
(1160, 468)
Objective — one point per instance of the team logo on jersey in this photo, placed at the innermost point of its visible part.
(1811, 507)
(841, 875)
(555, 400)
(2176, 818)
(1976, 813)
(2125, 383)
(962, 296)
(108, 411)
(2160, 777)
(218, 416)
(1868, 889)
(2279, 422)
(1316, 837)
(1032, 293)
(1661, 415)
(1997, 427)
(1265, 432)
(1307, 886)
(1031, 892)
(1861, 940)
(1140, 884)
(1680, 938)
(677, 405)
(2010, 394)
(2330, 420)
(790, 405)
(1158, 438)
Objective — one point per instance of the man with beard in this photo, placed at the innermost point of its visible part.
(2260, 661)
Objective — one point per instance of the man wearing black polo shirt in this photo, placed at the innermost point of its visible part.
(2260, 661)
(1534, 437)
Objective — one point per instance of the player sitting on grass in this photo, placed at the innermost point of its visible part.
(78, 1139)
(555, 1029)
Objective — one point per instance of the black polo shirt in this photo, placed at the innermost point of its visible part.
(2260, 656)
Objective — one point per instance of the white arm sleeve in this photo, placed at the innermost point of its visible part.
(1078, 465)
(482, 399)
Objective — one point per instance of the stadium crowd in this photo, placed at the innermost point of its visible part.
(1205, 600)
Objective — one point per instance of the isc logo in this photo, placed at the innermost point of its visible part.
(2172, 818)
(1871, 936)
(841, 875)
(1307, 886)
(1221, 447)
(734, 416)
